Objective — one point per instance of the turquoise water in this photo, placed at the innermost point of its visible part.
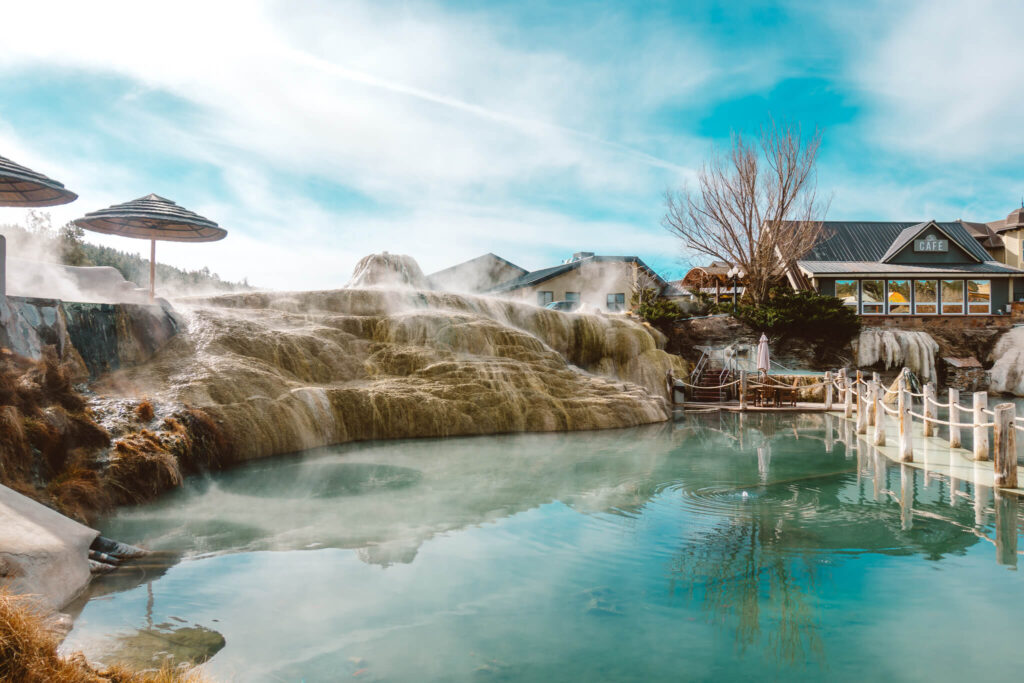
(720, 547)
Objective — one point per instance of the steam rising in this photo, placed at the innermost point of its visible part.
(288, 371)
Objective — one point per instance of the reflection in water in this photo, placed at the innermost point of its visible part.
(755, 539)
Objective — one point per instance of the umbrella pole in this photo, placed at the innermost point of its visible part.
(152, 270)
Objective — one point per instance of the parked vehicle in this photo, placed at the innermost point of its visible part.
(564, 306)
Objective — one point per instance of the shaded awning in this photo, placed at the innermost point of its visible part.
(22, 187)
(153, 218)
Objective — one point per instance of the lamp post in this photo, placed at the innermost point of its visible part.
(735, 273)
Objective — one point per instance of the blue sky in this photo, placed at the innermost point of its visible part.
(318, 132)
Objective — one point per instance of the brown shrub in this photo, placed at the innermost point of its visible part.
(28, 653)
(144, 411)
(141, 468)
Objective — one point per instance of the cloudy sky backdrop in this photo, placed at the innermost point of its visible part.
(317, 132)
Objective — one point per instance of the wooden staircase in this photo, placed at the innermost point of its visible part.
(707, 384)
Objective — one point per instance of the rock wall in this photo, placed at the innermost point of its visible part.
(94, 338)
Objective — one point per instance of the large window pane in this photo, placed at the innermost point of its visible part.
(617, 301)
(926, 297)
(952, 297)
(979, 296)
(572, 296)
(899, 297)
(846, 291)
(872, 296)
(544, 298)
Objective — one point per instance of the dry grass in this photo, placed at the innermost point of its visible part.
(52, 450)
(28, 654)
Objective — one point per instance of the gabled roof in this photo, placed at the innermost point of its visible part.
(911, 233)
(482, 257)
(539, 276)
(871, 240)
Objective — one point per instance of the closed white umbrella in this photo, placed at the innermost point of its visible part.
(762, 354)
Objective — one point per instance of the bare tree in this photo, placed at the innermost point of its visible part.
(757, 207)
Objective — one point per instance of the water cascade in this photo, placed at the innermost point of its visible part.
(281, 372)
(914, 349)
(1007, 374)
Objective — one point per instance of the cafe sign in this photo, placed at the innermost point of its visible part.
(931, 244)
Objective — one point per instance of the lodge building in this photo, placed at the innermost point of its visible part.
(910, 269)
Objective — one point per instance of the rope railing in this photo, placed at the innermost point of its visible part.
(935, 420)
(709, 388)
(870, 409)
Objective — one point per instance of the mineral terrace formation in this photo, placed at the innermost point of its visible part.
(284, 372)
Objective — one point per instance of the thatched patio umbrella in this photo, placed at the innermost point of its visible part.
(152, 218)
(23, 187)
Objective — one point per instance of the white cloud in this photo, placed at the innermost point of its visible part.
(945, 77)
(454, 130)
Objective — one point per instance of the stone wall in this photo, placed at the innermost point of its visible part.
(94, 338)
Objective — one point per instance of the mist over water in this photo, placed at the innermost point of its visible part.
(717, 546)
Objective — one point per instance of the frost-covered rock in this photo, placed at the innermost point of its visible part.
(1007, 374)
(914, 349)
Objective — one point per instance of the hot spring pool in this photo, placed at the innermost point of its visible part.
(705, 549)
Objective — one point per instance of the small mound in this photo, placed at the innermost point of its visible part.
(388, 270)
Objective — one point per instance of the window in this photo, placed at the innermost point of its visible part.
(616, 302)
(899, 297)
(872, 297)
(846, 291)
(544, 298)
(952, 297)
(979, 296)
(572, 296)
(926, 297)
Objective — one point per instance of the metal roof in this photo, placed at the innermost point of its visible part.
(879, 268)
(870, 240)
(153, 218)
(23, 187)
(478, 259)
(539, 276)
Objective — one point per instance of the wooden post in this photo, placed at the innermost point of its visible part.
(152, 271)
(954, 418)
(1005, 446)
(980, 433)
(879, 415)
(876, 381)
(842, 384)
(743, 389)
(847, 397)
(862, 409)
(906, 449)
(929, 408)
(828, 391)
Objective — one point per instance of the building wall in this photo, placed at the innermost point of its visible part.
(1001, 288)
(1014, 241)
(594, 281)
